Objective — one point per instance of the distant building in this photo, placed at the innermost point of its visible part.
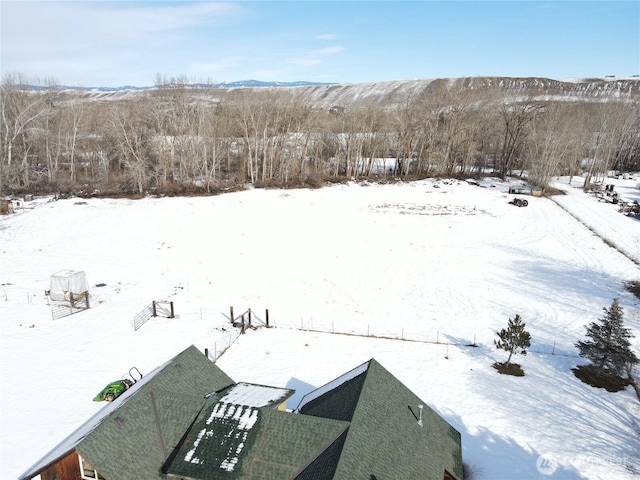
(6, 206)
(188, 420)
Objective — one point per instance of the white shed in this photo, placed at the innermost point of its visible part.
(67, 282)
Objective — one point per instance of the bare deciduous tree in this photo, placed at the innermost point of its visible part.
(178, 137)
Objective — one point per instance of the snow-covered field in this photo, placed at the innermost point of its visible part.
(444, 263)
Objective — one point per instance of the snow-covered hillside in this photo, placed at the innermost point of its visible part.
(399, 92)
(395, 93)
(432, 266)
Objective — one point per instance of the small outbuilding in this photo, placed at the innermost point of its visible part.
(67, 284)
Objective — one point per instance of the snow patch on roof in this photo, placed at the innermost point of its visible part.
(239, 420)
(252, 395)
(246, 418)
(189, 457)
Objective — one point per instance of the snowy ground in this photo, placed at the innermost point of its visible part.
(443, 263)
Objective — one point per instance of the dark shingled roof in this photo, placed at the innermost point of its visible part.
(235, 440)
(340, 404)
(189, 420)
(384, 439)
(132, 437)
(288, 442)
(324, 466)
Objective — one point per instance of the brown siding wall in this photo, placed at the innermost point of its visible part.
(448, 476)
(67, 468)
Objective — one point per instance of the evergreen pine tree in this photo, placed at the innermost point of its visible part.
(609, 348)
(514, 338)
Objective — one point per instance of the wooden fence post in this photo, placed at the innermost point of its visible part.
(231, 310)
(249, 318)
(153, 306)
(172, 314)
(266, 316)
(243, 323)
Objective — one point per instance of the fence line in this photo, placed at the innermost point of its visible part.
(248, 319)
(438, 341)
(222, 344)
(239, 324)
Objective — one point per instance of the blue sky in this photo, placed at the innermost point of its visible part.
(93, 43)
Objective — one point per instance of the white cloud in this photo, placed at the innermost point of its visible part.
(50, 24)
(316, 56)
(47, 38)
(142, 21)
(329, 50)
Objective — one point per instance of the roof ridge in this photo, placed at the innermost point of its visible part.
(333, 384)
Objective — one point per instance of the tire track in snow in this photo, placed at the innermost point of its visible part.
(585, 255)
(605, 239)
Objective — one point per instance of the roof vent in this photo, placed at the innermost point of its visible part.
(420, 416)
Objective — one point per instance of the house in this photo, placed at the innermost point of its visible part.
(188, 420)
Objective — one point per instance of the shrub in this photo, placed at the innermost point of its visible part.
(509, 369)
(592, 376)
(633, 286)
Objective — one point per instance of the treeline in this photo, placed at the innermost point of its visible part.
(175, 139)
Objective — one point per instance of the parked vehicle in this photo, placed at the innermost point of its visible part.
(114, 389)
(519, 202)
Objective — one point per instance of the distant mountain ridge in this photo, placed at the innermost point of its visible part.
(237, 84)
(397, 92)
